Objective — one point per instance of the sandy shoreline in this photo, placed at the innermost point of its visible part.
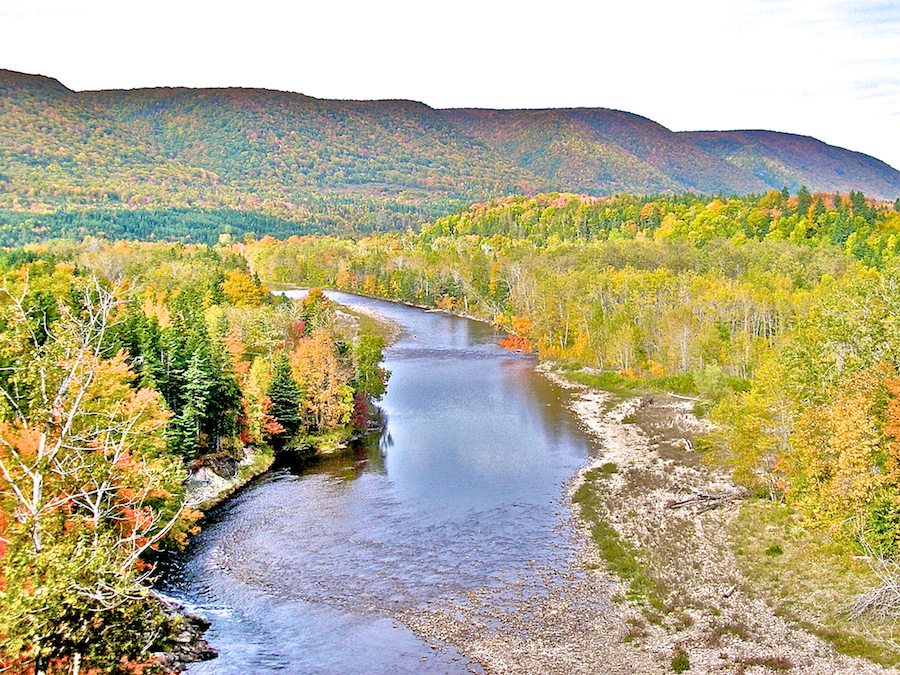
(582, 622)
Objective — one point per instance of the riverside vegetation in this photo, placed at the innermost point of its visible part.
(777, 312)
(124, 368)
(125, 364)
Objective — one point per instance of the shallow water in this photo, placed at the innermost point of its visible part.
(306, 570)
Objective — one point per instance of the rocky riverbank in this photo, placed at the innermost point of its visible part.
(658, 501)
(212, 479)
(209, 481)
(683, 603)
(189, 645)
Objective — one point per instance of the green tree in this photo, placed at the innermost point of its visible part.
(371, 379)
(197, 388)
(285, 396)
(804, 199)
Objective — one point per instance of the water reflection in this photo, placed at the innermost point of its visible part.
(304, 570)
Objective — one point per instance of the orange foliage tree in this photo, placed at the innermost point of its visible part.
(518, 339)
(327, 396)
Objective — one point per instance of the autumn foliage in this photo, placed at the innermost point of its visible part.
(517, 339)
(111, 392)
(86, 485)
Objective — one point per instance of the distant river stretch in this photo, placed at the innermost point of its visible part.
(307, 570)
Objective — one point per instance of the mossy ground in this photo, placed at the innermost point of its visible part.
(808, 577)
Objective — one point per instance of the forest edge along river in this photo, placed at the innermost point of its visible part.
(319, 567)
(451, 543)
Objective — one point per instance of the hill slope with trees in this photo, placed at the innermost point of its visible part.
(300, 164)
(794, 161)
(604, 151)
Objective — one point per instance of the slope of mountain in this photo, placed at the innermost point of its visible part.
(361, 164)
(594, 148)
(22, 84)
(793, 161)
(232, 148)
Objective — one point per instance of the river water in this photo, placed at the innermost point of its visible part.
(310, 568)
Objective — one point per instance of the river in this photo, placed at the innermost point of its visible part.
(311, 568)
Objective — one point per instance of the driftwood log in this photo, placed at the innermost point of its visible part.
(882, 601)
(707, 501)
(684, 398)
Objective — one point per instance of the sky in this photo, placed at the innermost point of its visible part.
(823, 68)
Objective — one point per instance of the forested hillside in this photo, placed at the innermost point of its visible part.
(794, 161)
(72, 163)
(604, 151)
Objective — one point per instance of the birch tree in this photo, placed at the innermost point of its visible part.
(85, 486)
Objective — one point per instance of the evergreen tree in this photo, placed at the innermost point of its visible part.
(197, 388)
(285, 395)
(183, 432)
(804, 199)
(223, 402)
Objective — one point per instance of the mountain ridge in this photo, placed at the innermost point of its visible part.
(838, 162)
(295, 156)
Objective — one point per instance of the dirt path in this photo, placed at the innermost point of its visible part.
(577, 619)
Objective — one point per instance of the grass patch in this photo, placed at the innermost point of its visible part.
(698, 384)
(606, 470)
(259, 463)
(809, 577)
(679, 384)
(607, 380)
(634, 629)
(628, 386)
(377, 326)
(621, 557)
(701, 408)
(680, 662)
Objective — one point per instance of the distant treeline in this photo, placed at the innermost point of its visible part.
(845, 220)
(322, 215)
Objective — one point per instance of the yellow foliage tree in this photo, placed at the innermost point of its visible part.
(837, 467)
(752, 431)
(240, 289)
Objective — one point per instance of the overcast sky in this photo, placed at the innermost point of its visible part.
(824, 68)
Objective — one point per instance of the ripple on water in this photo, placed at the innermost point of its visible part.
(307, 571)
